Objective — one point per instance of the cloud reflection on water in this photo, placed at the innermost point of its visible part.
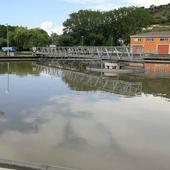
(94, 134)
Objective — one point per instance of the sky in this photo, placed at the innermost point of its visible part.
(50, 14)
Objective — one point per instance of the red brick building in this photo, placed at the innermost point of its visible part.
(152, 42)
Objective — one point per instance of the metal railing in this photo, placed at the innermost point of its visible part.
(95, 82)
(93, 53)
(23, 165)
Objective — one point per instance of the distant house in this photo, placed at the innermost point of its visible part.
(151, 42)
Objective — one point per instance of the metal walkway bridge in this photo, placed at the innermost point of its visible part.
(88, 53)
(82, 81)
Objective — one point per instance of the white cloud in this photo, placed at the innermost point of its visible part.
(50, 28)
(46, 25)
(58, 30)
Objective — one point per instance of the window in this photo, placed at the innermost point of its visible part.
(149, 39)
(113, 67)
(163, 39)
(137, 39)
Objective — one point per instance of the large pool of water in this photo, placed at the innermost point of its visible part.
(87, 122)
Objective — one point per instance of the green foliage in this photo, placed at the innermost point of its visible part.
(105, 28)
(23, 38)
(3, 42)
(67, 40)
(160, 14)
(21, 69)
(20, 38)
(3, 30)
(95, 28)
(38, 38)
(3, 34)
(54, 39)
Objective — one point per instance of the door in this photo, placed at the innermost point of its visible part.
(163, 49)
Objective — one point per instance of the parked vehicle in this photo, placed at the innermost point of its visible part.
(10, 49)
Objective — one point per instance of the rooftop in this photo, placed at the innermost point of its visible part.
(153, 34)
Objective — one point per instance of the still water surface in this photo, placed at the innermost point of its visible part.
(58, 117)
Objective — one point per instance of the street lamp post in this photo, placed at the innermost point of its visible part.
(7, 41)
(82, 40)
(8, 88)
(111, 43)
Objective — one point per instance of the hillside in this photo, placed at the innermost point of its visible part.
(160, 14)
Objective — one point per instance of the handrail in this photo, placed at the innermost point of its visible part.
(100, 53)
(30, 166)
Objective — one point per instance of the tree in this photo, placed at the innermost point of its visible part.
(95, 39)
(67, 40)
(21, 37)
(104, 28)
(3, 42)
(3, 34)
(83, 23)
(3, 30)
(54, 39)
(38, 38)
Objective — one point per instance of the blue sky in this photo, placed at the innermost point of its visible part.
(50, 14)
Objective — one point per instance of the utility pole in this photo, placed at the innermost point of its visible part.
(7, 41)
